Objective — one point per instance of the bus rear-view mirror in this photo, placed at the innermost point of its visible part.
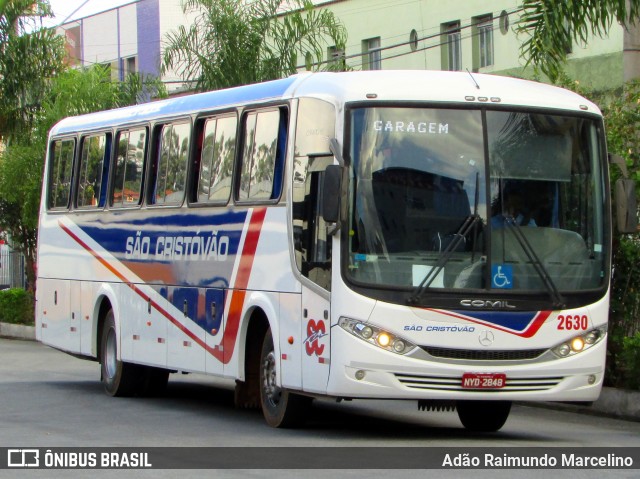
(626, 206)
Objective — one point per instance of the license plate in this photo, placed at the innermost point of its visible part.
(483, 380)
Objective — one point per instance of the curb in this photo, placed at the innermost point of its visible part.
(614, 403)
(17, 331)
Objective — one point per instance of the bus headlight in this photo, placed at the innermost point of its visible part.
(580, 343)
(377, 336)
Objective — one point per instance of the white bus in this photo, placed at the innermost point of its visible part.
(434, 236)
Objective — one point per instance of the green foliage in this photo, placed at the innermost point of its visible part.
(234, 42)
(29, 58)
(16, 306)
(631, 359)
(550, 27)
(72, 92)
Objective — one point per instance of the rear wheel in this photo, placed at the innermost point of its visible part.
(280, 407)
(119, 378)
(483, 416)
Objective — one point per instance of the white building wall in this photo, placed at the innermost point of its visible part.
(100, 38)
(128, 31)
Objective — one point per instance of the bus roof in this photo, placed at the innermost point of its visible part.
(340, 88)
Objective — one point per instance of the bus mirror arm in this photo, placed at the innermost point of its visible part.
(334, 146)
(331, 197)
(626, 203)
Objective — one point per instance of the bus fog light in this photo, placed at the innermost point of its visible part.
(577, 344)
(591, 379)
(399, 345)
(383, 339)
(592, 337)
(563, 350)
(377, 336)
(360, 374)
(580, 342)
(366, 332)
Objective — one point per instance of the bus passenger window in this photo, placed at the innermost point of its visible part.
(60, 168)
(129, 168)
(263, 157)
(171, 171)
(217, 159)
(89, 194)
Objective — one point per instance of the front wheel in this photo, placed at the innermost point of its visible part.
(483, 416)
(119, 378)
(280, 407)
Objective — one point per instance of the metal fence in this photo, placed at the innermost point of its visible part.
(12, 273)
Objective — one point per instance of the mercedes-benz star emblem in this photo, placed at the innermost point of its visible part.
(486, 338)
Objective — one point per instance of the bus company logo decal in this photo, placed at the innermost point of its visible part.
(486, 338)
(199, 247)
(487, 303)
(316, 330)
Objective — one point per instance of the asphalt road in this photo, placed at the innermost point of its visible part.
(49, 399)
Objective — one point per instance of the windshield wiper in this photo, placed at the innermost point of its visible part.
(554, 293)
(443, 258)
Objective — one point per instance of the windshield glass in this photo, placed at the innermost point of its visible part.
(464, 199)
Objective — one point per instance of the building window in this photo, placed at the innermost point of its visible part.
(452, 53)
(129, 65)
(483, 41)
(336, 59)
(371, 54)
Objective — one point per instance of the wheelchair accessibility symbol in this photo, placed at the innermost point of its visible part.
(502, 276)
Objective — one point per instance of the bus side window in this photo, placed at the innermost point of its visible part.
(264, 145)
(129, 168)
(171, 164)
(217, 160)
(315, 125)
(92, 173)
(60, 170)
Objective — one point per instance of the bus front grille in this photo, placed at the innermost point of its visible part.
(454, 383)
(483, 355)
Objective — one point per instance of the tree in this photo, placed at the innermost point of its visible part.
(552, 25)
(29, 58)
(235, 42)
(72, 92)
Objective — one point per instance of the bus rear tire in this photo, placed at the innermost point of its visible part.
(281, 408)
(119, 378)
(483, 416)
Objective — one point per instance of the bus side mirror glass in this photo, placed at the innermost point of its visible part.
(331, 193)
(626, 206)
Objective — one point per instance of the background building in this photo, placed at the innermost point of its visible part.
(474, 35)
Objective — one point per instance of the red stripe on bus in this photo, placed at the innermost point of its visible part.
(532, 328)
(237, 296)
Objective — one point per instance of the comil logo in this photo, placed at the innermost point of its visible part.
(23, 458)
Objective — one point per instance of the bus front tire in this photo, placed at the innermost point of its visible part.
(281, 408)
(119, 378)
(483, 416)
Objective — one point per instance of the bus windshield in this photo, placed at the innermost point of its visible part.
(493, 200)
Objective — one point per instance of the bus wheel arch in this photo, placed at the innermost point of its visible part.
(247, 394)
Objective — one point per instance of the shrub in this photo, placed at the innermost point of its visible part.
(631, 360)
(16, 306)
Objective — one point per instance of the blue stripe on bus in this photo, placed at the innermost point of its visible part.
(515, 321)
